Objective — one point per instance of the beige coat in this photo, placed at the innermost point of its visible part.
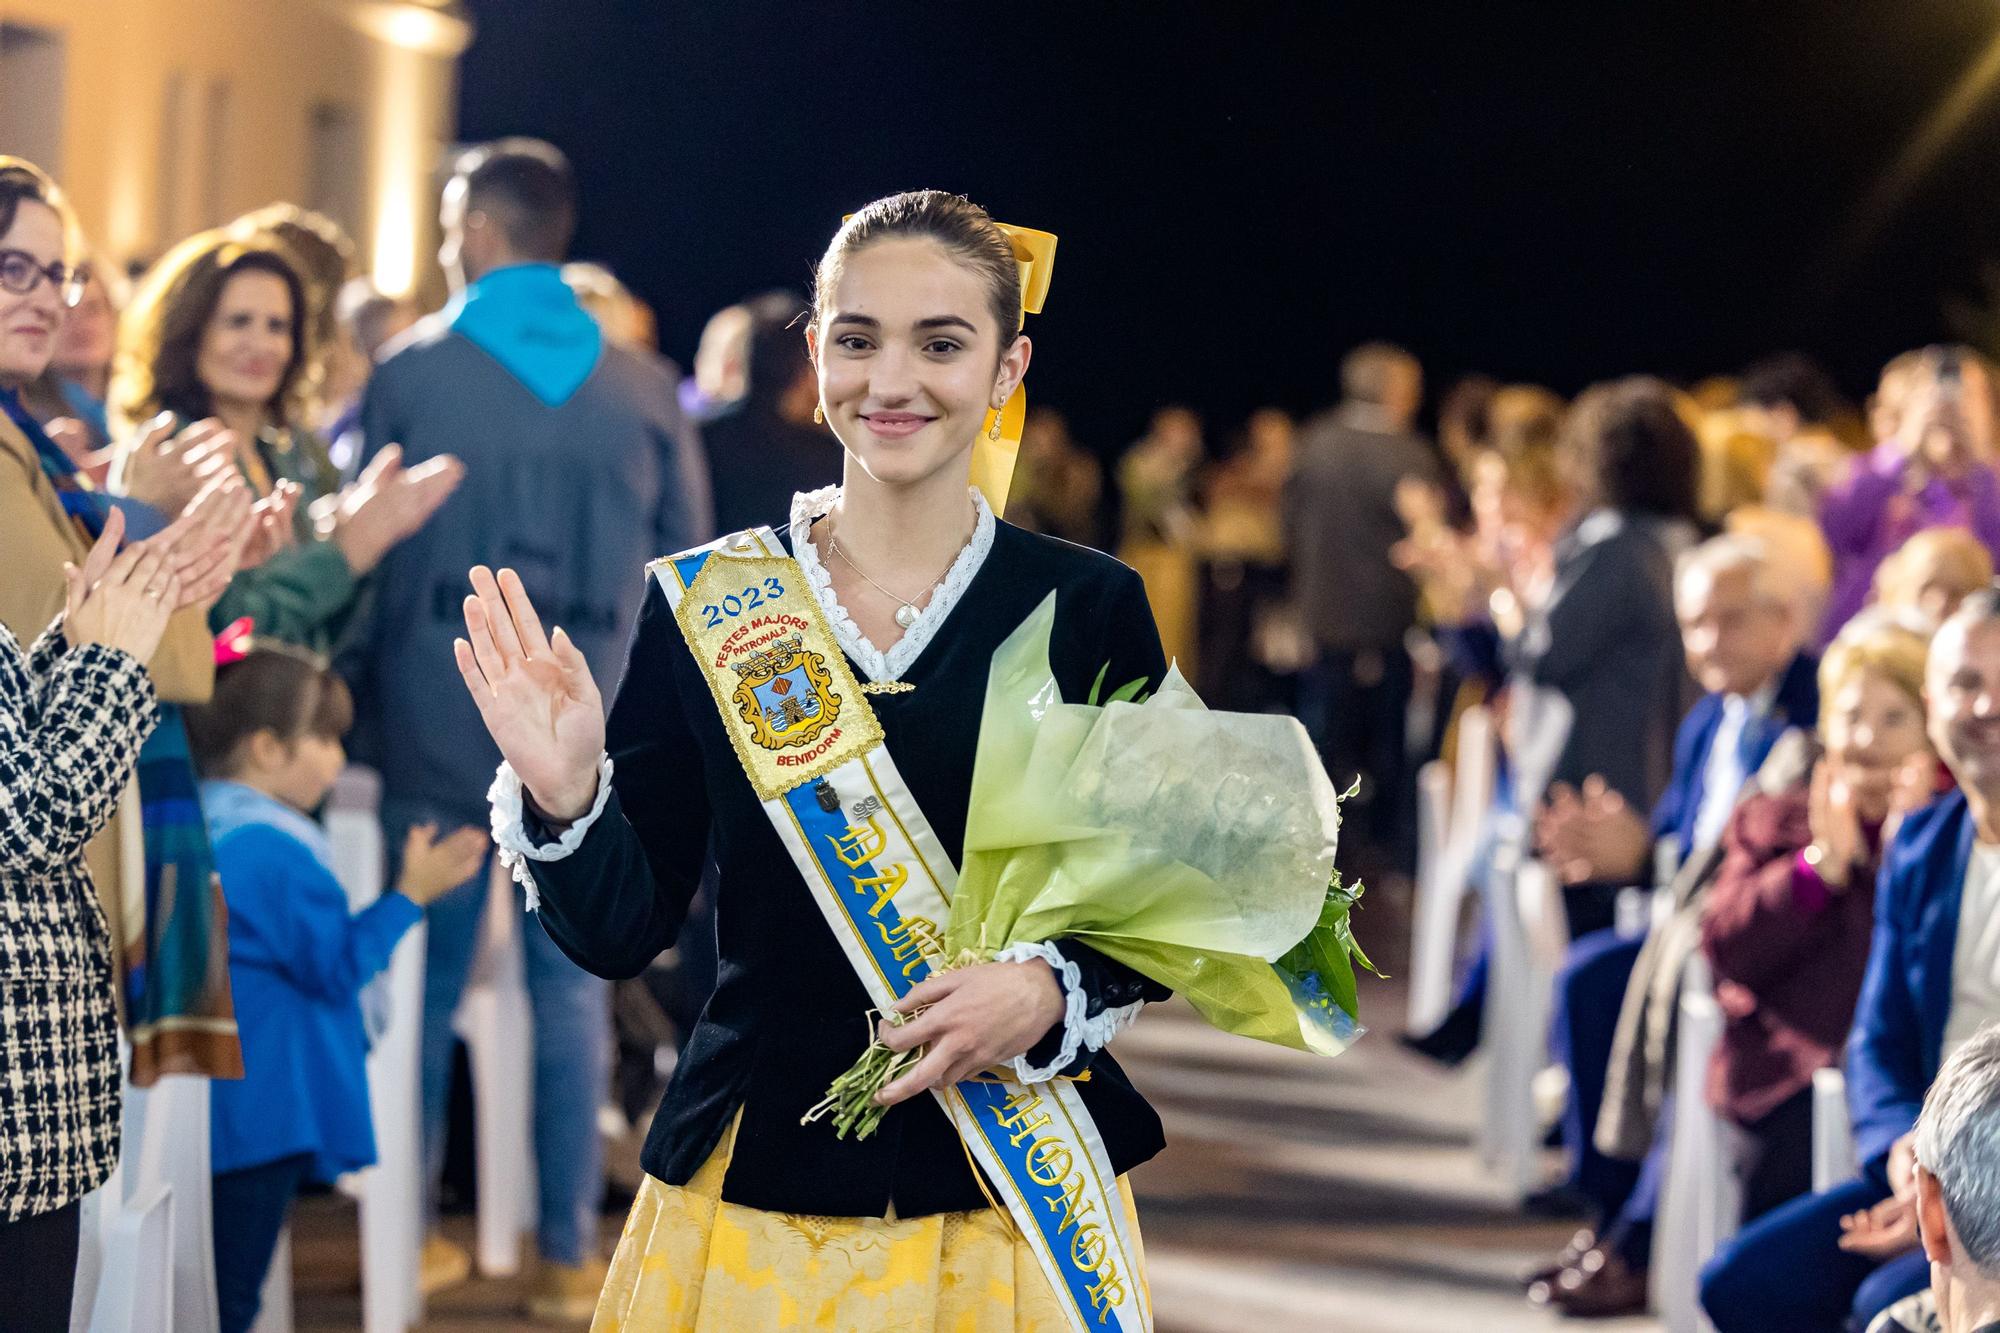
(1642, 1051)
(36, 537)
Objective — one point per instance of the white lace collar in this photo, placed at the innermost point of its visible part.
(875, 664)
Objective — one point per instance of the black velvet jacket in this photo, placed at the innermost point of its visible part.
(788, 1014)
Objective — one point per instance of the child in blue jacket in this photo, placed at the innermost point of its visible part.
(269, 747)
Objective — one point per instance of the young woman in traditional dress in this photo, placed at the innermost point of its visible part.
(750, 1218)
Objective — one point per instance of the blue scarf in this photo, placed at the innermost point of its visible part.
(90, 410)
(526, 318)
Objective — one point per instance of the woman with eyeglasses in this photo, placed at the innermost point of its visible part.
(114, 632)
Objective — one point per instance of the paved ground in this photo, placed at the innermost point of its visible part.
(1296, 1194)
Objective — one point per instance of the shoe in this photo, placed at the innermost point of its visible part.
(1601, 1286)
(1450, 1042)
(441, 1265)
(1582, 1243)
(566, 1293)
(1557, 1201)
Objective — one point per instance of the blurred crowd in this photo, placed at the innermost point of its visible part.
(1738, 636)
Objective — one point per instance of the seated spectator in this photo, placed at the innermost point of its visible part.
(1935, 472)
(1958, 1211)
(1931, 573)
(1933, 981)
(1742, 624)
(1787, 920)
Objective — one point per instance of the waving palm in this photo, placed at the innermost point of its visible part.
(535, 694)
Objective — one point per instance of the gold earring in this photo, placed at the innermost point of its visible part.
(993, 431)
(819, 415)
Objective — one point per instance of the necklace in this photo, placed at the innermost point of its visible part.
(906, 611)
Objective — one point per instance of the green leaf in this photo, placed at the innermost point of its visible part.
(1130, 691)
(1097, 686)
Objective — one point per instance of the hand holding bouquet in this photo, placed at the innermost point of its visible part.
(1195, 847)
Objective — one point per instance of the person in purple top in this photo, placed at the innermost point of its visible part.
(1932, 473)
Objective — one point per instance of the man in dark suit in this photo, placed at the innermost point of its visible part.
(1341, 521)
(1933, 981)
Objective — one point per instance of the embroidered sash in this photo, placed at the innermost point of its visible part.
(813, 750)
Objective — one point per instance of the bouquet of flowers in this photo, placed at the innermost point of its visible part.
(1195, 847)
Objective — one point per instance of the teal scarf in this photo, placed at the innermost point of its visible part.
(526, 318)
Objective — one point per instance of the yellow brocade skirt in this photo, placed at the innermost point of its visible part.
(690, 1263)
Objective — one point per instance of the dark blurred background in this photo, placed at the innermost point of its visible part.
(1549, 192)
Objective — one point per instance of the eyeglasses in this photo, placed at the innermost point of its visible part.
(20, 274)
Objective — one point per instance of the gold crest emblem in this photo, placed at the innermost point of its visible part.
(788, 698)
(786, 694)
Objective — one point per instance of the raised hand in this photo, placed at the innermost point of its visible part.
(535, 695)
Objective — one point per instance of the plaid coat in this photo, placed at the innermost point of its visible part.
(71, 723)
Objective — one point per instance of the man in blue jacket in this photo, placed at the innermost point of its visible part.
(579, 469)
(1933, 981)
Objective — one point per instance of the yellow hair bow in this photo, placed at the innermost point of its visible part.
(993, 460)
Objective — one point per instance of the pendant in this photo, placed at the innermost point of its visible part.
(906, 615)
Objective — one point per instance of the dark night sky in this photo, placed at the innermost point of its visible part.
(1243, 190)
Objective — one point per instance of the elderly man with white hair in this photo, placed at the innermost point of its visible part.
(1744, 620)
(1958, 1186)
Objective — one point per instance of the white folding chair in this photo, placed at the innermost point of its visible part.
(391, 1192)
(132, 1243)
(1453, 807)
(1701, 1202)
(497, 1025)
(1529, 933)
(1835, 1160)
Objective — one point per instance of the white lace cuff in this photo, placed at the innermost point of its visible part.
(510, 835)
(1079, 1032)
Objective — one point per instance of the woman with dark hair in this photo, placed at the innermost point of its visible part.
(1603, 647)
(902, 582)
(217, 329)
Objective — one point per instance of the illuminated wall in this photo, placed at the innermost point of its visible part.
(179, 114)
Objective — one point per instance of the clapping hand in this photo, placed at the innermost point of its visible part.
(167, 469)
(1592, 836)
(433, 866)
(387, 503)
(535, 695)
(119, 599)
(1836, 825)
(270, 529)
(1882, 1232)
